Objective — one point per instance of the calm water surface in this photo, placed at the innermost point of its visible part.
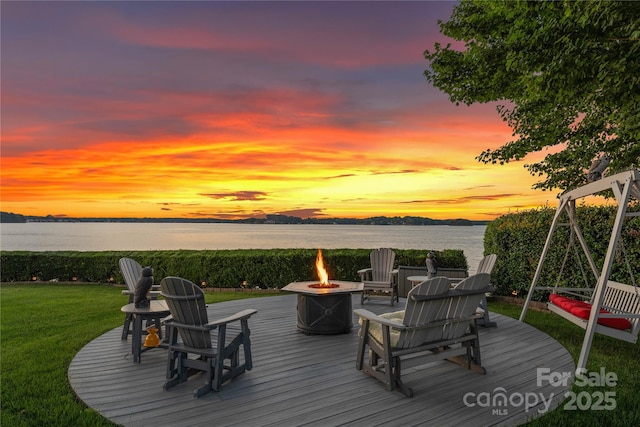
(40, 236)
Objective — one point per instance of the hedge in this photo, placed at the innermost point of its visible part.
(518, 239)
(272, 268)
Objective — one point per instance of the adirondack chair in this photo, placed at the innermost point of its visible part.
(438, 322)
(486, 266)
(220, 359)
(380, 278)
(131, 271)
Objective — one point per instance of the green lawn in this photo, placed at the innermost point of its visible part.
(43, 326)
(614, 356)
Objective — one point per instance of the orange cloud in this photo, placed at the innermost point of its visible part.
(238, 195)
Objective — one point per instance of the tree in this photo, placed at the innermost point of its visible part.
(566, 75)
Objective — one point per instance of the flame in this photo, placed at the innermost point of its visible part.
(322, 272)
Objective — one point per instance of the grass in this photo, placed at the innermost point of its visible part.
(43, 326)
(613, 355)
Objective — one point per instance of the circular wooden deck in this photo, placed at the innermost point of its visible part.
(311, 380)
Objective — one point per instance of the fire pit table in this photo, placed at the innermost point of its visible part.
(324, 309)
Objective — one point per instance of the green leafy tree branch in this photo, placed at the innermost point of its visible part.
(566, 75)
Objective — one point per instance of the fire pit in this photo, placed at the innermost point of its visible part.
(324, 307)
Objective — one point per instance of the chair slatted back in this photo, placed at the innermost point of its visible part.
(187, 306)
(466, 305)
(131, 270)
(423, 312)
(382, 261)
(623, 298)
(486, 264)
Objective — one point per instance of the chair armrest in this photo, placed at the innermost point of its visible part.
(365, 273)
(241, 315)
(372, 317)
(452, 293)
(442, 322)
(394, 276)
(153, 291)
(373, 282)
(201, 328)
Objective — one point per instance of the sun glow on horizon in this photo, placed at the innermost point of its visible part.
(203, 110)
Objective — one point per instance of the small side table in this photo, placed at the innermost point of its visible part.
(156, 311)
(153, 294)
(416, 280)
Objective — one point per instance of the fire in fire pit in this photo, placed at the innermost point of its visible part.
(322, 274)
(324, 307)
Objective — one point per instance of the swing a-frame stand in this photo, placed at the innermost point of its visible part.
(610, 302)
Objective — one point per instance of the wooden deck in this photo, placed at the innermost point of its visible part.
(311, 380)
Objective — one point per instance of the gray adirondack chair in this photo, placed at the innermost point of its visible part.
(380, 280)
(219, 356)
(131, 271)
(438, 322)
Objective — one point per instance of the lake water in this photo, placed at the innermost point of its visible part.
(106, 236)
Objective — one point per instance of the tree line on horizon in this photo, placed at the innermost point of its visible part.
(9, 217)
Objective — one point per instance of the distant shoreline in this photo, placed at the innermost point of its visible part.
(7, 217)
(134, 236)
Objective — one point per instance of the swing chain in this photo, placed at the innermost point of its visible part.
(622, 249)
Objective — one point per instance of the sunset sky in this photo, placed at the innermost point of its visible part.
(240, 109)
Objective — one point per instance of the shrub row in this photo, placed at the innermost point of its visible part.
(273, 268)
(518, 239)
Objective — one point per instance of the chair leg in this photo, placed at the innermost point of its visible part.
(216, 373)
(210, 382)
(364, 330)
(234, 360)
(126, 329)
(472, 359)
(397, 376)
(246, 345)
(485, 321)
(387, 359)
(218, 361)
(172, 365)
(475, 347)
(176, 371)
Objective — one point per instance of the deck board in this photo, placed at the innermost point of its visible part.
(311, 380)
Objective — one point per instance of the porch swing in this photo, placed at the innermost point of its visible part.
(613, 309)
